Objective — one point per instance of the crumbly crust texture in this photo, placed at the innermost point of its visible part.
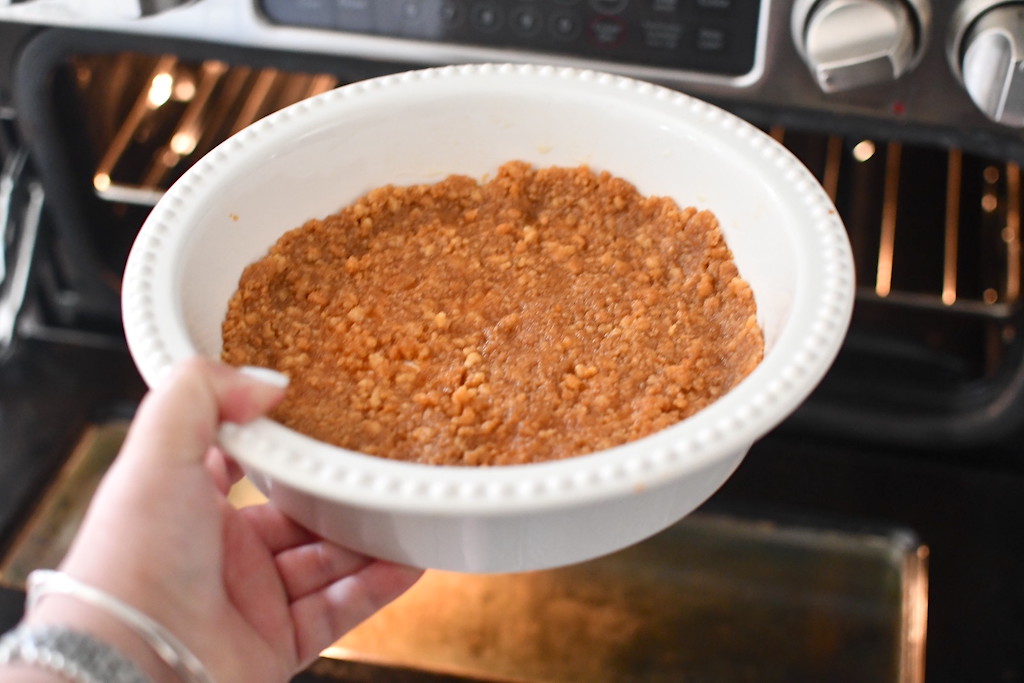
(541, 314)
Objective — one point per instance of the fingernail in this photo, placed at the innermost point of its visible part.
(265, 375)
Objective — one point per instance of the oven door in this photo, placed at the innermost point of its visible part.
(874, 536)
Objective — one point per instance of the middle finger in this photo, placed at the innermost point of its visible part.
(309, 568)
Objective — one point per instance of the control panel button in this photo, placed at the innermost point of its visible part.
(710, 39)
(607, 31)
(565, 25)
(486, 16)
(662, 35)
(526, 20)
(452, 14)
(314, 13)
(852, 43)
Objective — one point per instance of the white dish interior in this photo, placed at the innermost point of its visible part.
(311, 159)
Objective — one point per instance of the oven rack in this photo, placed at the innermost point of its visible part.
(933, 356)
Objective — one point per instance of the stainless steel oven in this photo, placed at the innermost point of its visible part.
(876, 535)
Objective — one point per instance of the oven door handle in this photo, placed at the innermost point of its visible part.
(21, 209)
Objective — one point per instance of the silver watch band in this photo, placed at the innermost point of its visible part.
(71, 654)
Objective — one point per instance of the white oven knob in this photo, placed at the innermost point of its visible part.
(991, 58)
(850, 43)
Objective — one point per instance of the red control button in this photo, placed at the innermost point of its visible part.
(565, 24)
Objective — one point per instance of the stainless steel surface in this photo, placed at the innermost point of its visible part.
(714, 598)
(992, 63)
(929, 94)
(10, 172)
(852, 43)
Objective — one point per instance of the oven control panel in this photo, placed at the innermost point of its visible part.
(708, 36)
(925, 68)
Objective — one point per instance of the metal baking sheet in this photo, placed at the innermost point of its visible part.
(723, 598)
(714, 598)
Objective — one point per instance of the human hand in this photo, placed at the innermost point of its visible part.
(255, 596)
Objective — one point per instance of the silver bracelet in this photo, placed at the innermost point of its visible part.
(70, 654)
(186, 665)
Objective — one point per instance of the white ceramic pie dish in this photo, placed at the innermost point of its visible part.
(314, 157)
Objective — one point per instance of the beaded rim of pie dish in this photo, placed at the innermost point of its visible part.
(729, 425)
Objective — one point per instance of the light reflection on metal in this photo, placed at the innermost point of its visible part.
(256, 99)
(183, 143)
(1011, 233)
(16, 281)
(190, 126)
(184, 89)
(833, 161)
(890, 200)
(10, 176)
(954, 173)
(124, 135)
(864, 150)
(160, 89)
(321, 83)
(915, 615)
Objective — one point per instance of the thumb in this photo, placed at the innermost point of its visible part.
(177, 421)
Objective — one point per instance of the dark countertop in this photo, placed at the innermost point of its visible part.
(49, 392)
